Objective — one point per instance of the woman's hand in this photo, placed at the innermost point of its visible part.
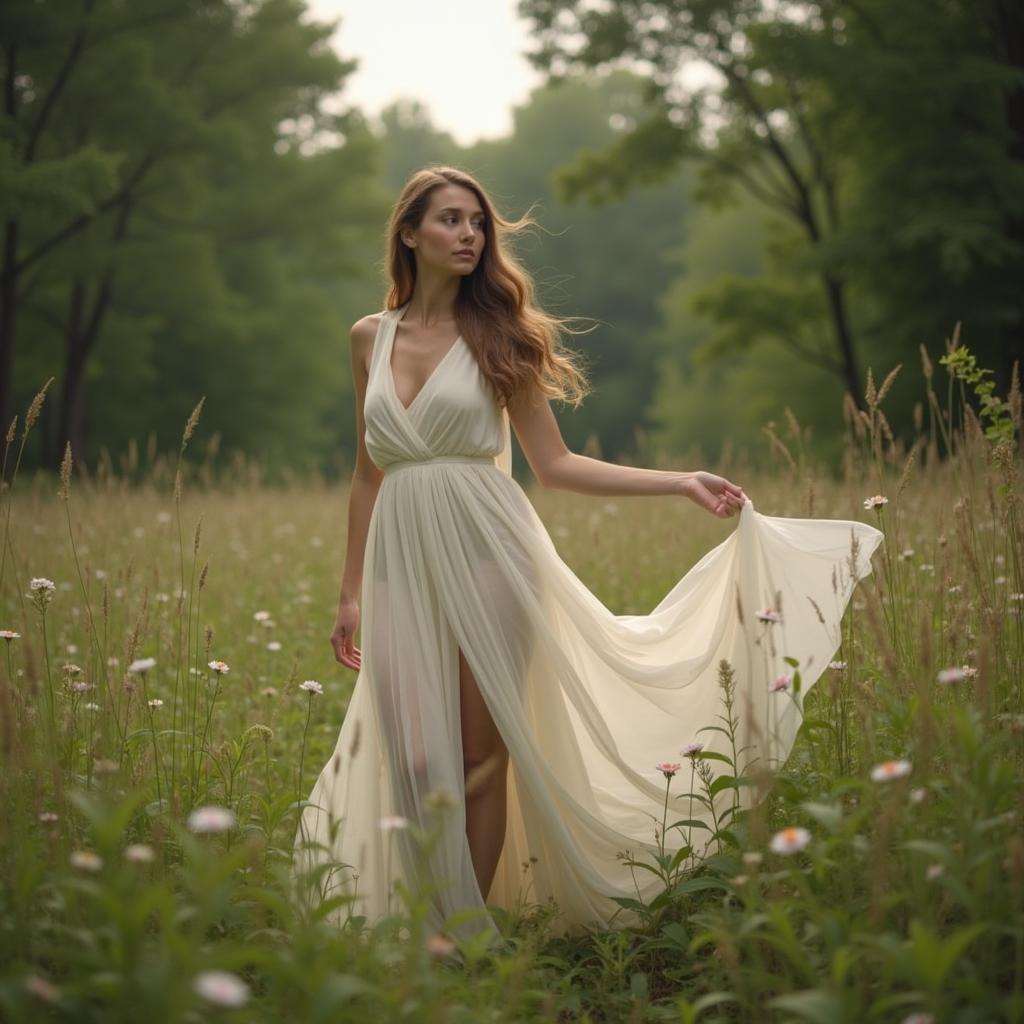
(715, 493)
(343, 634)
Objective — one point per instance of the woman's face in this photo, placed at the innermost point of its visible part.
(450, 237)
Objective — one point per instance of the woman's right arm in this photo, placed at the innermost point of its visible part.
(366, 480)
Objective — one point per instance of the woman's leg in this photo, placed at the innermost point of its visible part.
(485, 763)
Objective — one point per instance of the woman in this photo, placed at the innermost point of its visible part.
(499, 704)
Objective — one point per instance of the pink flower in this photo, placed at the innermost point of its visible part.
(692, 749)
(769, 615)
(790, 840)
(876, 502)
(782, 682)
(668, 768)
(211, 819)
(956, 674)
(220, 667)
(221, 988)
(888, 770)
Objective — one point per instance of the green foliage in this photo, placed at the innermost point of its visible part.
(963, 364)
(907, 897)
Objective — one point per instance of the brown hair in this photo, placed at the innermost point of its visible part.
(515, 344)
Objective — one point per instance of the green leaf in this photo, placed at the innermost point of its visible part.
(829, 815)
(934, 956)
(817, 1005)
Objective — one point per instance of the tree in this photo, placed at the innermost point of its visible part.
(151, 150)
(753, 125)
(890, 140)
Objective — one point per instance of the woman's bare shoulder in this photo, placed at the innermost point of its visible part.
(363, 333)
(364, 330)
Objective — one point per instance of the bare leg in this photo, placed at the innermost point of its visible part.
(485, 763)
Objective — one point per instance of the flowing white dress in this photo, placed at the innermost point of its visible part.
(586, 701)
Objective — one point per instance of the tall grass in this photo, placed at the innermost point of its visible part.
(157, 741)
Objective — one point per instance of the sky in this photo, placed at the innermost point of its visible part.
(462, 58)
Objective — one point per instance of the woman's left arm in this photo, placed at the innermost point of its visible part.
(557, 468)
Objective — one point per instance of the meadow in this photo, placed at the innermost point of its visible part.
(163, 625)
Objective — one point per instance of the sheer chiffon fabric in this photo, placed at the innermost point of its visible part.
(586, 701)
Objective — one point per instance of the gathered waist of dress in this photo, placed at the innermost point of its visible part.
(435, 460)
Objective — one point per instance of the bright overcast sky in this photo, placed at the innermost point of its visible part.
(462, 58)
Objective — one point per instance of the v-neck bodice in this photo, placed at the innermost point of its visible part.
(391, 335)
(454, 413)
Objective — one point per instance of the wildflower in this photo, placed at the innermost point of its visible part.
(268, 691)
(692, 749)
(221, 988)
(139, 853)
(926, 567)
(42, 989)
(906, 553)
(41, 591)
(668, 768)
(1017, 596)
(86, 860)
(311, 686)
(875, 501)
(889, 770)
(917, 794)
(211, 819)
(156, 702)
(261, 616)
(740, 880)
(790, 840)
(769, 615)
(90, 706)
(141, 666)
(753, 857)
(392, 822)
(71, 670)
(439, 946)
(837, 666)
(274, 645)
(955, 674)
(9, 634)
(934, 871)
(220, 667)
(81, 687)
(48, 817)
(783, 682)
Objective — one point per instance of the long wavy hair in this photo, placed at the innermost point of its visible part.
(516, 344)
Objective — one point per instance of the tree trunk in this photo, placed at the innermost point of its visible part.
(70, 423)
(836, 293)
(8, 297)
(8, 280)
(1009, 30)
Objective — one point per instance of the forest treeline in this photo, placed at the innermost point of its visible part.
(753, 202)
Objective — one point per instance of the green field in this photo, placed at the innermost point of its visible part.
(906, 903)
